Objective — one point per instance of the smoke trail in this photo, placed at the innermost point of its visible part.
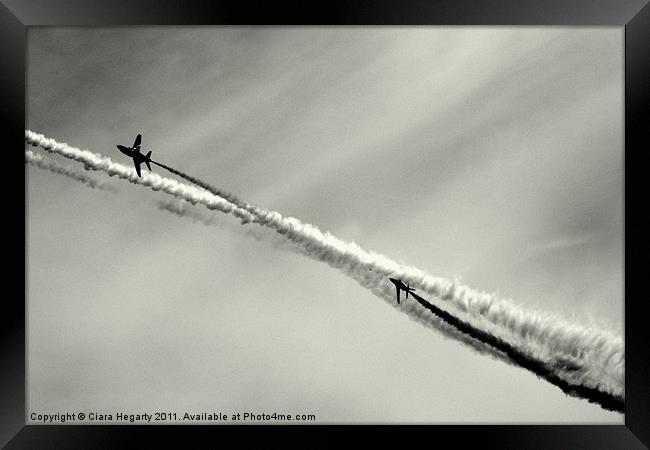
(151, 180)
(582, 357)
(181, 208)
(232, 198)
(612, 403)
(36, 160)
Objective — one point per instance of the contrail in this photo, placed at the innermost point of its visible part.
(36, 160)
(609, 402)
(587, 358)
(151, 180)
(232, 198)
(181, 208)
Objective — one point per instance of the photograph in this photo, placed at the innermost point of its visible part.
(324, 225)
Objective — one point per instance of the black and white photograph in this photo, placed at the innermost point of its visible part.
(324, 225)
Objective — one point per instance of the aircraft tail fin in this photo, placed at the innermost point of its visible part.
(148, 160)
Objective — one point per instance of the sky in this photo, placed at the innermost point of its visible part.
(491, 155)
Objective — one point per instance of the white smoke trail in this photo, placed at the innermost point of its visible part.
(579, 355)
(154, 181)
(182, 208)
(36, 160)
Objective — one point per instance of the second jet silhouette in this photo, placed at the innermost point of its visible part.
(399, 286)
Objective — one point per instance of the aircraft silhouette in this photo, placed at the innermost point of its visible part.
(134, 152)
(400, 286)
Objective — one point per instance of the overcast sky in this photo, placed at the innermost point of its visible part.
(494, 155)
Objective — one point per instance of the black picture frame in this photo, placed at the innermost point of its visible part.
(633, 15)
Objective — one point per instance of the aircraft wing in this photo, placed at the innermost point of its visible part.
(137, 167)
(397, 293)
(138, 139)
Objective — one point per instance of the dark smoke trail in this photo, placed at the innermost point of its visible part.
(232, 198)
(607, 401)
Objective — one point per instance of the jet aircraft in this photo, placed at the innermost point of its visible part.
(399, 286)
(134, 152)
